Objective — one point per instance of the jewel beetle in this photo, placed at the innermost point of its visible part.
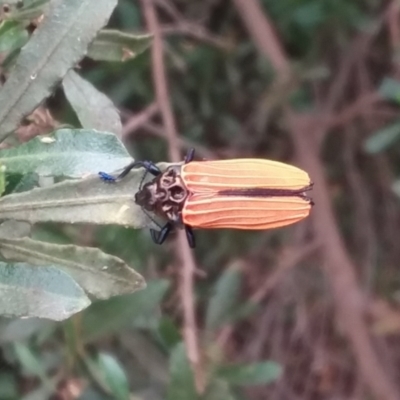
(238, 194)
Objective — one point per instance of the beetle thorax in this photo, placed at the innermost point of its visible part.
(165, 195)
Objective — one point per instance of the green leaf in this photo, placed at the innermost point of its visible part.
(8, 386)
(21, 183)
(93, 108)
(2, 178)
(390, 89)
(242, 311)
(105, 317)
(19, 330)
(29, 361)
(113, 45)
(14, 229)
(85, 201)
(98, 273)
(261, 373)
(12, 36)
(59, 42)
(224, 300)
(115, 376)
(67, 152)
(147, 354)
(33, 366)
(168, 332)
(181, 385)
(41, 392)
(218, 389)
(382, 139)
(31, 9)
(44, 292)
(396, 187)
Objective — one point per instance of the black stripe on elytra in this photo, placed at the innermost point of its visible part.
(266, 192)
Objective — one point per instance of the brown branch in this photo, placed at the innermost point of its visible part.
(362, 105)
(393, 24)
(339, 268)
(356, 50)
(184, 143)
(265, 39)
(134, 122)
(183, 251)
(160, 80)
(288, 261)
(170, 9)
(364, 231)
(349, 300)
(182, 26)
(197, 32)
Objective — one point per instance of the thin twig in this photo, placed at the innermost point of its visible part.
(160, 80)
(183, 251)
(339, 268)
(365, 233)
(183, 142)
(349, 300)
(194, 29)
(136, 121)
(196, 32)
(361, 106)
(288, 261)
(266, 40)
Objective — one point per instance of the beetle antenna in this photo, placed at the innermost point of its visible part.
(189, 156)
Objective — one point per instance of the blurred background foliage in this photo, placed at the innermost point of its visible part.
(265, 310)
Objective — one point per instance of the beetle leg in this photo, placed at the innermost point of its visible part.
(190, 236)
(189, 156)
(147, 165)
(160, 236)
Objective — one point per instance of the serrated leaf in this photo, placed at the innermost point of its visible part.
(260, 373)
(181, 386)
(113, 45)
(382, 139)
(105, 317)
(115, 376)
(84, 201)
(98, 273)
(224, 299)
(67, 152)
(60, 41)
(43, 292)
(93, 108)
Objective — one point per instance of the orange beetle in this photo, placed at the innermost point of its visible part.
(239, 194)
